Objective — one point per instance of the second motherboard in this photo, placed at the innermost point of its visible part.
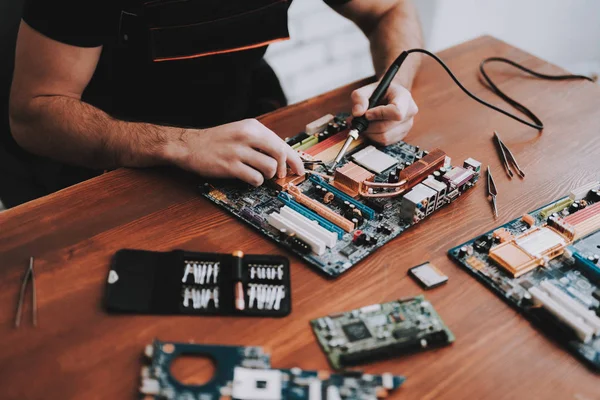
(546, 264)
(334, 219)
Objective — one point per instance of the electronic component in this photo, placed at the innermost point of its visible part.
(528, 219)
(341, 196)
(418, 203)
(581, 193)
(439, 188)
(287, 199)
(350, 177)
(529, 250)
(309, 231)
(373, 159)
(555, 207)
(563, 296)
(458, 177)
(427, 275)
(421, 169)
(245, 373)
(319, 124)
(380, 331)
(584, 222)
(472, 164)
(290, 178)
(320, 209)
(306, 143)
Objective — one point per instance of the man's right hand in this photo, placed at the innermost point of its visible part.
(246, 150)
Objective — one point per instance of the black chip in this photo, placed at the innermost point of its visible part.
(349, 250)
(406, 333)
(483, 244)
(526, 285)
(356, 331)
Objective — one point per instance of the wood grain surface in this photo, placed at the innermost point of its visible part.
(80, 352)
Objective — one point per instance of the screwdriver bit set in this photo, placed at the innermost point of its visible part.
(188, 283)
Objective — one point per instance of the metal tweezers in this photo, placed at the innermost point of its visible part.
(506, 155)
(29, 276)
(492, 192)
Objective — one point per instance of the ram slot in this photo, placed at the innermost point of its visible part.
(291, 203)
(320, 209)
(581, 329)
(330, 238)
(280, 222)
(572, 305)
(367, 212)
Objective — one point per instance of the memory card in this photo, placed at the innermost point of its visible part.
(427, 275)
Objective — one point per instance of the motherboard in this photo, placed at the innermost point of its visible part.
(546, 264)
(245, 373)
(334, 219)
(380, 331)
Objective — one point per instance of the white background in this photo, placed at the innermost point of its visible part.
(326, 51)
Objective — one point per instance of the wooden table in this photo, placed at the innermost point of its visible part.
(80, 352)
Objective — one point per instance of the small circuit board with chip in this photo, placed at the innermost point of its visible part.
(335, 219)
(546, 264)
(245, 373)
(380, 331)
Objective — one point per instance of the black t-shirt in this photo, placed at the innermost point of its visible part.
(179, 62)
(192, 63)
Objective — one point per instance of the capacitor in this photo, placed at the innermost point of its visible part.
(355, 222)
(407, 163)
(596, 258)
(574, 208)
(417, 148)
(463, 251)
(346, 204)
(323, 192)
(318, 187)
(418, 157)
(437, 175)
(322, 136)
(352, 207)
(442, 171)
(393, 177)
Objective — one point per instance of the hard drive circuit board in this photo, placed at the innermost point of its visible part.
(334, 219)
(546, 265)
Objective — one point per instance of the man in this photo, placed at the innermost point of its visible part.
(133, 83)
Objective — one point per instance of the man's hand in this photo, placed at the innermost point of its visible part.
(246, 150)
(390, 122)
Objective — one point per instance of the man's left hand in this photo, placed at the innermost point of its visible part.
(390, 122)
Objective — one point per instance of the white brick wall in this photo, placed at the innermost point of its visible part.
(325, 51)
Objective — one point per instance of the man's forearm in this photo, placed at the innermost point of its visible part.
(397, 30)
(69, 130)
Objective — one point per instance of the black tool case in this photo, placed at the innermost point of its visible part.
(188, 283)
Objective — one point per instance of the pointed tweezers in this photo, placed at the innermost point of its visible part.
(29, 276)
(506, 155)
(492, 192)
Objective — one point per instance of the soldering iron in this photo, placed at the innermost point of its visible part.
(360, 124)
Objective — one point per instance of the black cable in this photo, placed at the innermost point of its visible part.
(537, 123)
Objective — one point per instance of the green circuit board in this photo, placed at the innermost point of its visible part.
(380, 331)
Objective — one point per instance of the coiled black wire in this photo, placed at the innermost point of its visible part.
(537, 123)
